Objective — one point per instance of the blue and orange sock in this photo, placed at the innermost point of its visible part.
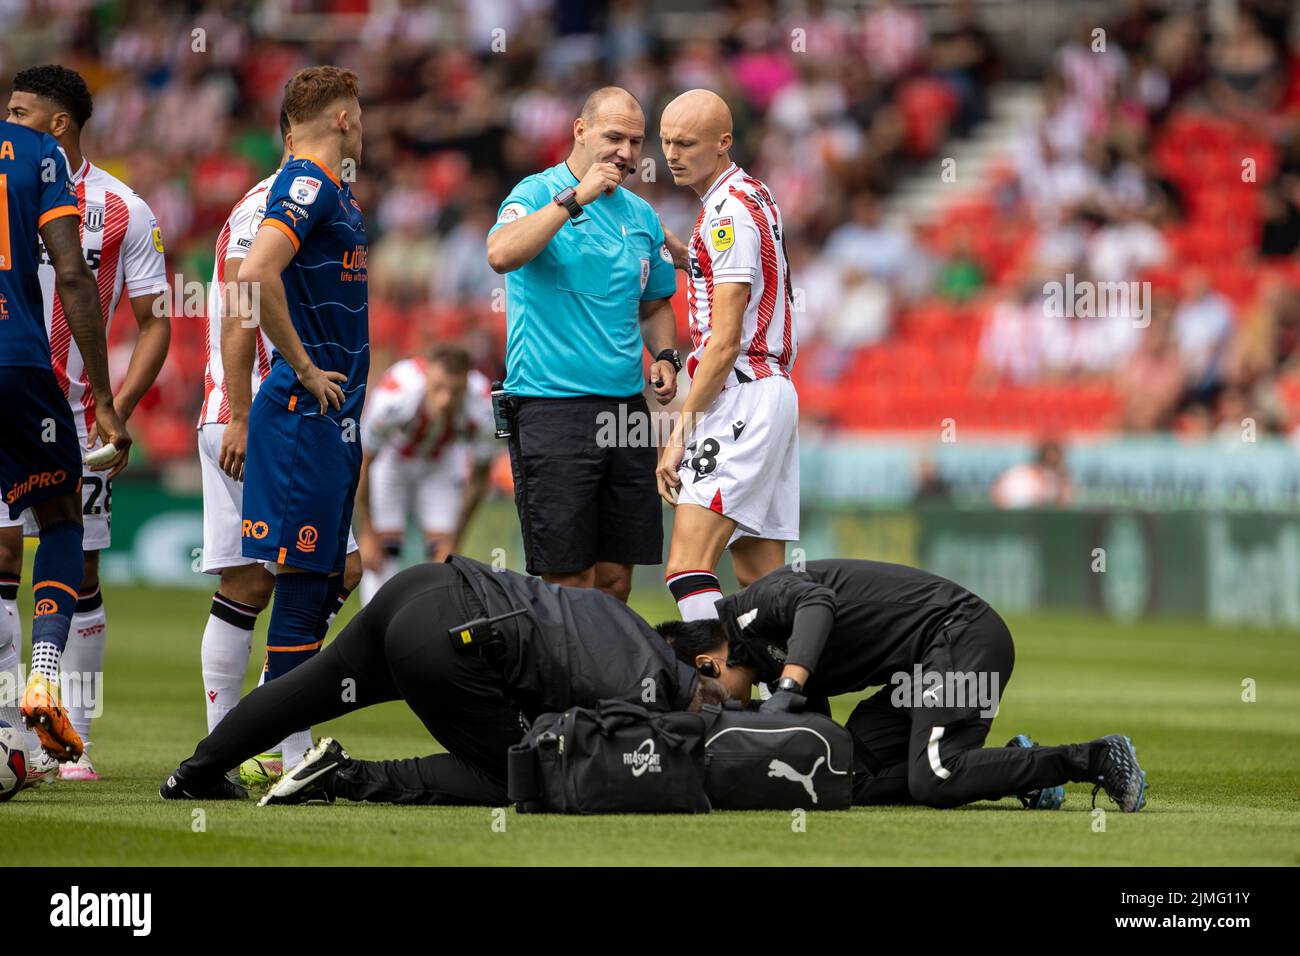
(304, 605)
(56, 574)
(295, 633)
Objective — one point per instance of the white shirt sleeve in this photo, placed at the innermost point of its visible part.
(732, 242)
(244, 220)
(388, 407)
(143, 266)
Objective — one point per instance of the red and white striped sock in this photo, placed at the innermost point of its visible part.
(696, 593)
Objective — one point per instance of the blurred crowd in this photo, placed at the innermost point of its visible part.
(461, 99)
(1167, 153)
(835, 103)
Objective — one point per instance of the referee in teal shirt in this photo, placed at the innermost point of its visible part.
(589, 275)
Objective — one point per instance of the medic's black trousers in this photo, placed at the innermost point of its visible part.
(917, 741)
(396, 648)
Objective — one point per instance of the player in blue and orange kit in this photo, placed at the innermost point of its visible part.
(307, 267)
(40, 458)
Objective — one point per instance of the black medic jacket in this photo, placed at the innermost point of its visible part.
(882, 617)
(576, 646)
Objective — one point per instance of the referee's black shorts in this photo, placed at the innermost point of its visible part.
(581, 498)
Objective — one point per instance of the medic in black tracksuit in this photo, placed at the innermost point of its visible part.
(944, 657)
(573, 647)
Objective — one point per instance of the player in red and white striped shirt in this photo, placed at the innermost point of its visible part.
(238, 359)
(124, 249)
(732, 464)
(428, 439)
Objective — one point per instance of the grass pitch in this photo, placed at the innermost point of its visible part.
(1224, 773)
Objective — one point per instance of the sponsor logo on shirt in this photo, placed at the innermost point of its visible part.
(304, 189)
(511, 212)
(354, 264)
(722, 234)
(293, 211)
(356, 259)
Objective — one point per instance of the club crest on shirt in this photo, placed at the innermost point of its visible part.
(304, 189)
(722, 234)
(94, 217)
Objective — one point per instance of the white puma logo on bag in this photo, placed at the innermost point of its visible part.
(779, 768)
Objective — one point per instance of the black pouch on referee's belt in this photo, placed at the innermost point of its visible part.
(503, 411)
(757, 761)
(617, 757)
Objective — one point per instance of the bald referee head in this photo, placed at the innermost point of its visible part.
(695, 131)
(610, 129)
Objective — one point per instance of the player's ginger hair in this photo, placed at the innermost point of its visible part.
(311, 91)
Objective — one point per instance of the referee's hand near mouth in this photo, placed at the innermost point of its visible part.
(589, 281)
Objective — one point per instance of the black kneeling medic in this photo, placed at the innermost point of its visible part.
(944, 657)
(474, 687)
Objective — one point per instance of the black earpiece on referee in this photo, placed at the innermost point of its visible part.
(708, 668)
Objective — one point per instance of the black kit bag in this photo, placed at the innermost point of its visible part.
(617, 757)
(757, 761)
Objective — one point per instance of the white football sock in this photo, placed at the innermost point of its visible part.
(82, 680)
(372, 581)
(12, 680)
(227, 644)
(295, 745)
(696, 592)
(45, 660)
(293, 748)
(11, 665)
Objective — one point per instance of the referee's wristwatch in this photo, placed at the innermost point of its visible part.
(568, 199)
(789, 684)
(670, 355)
